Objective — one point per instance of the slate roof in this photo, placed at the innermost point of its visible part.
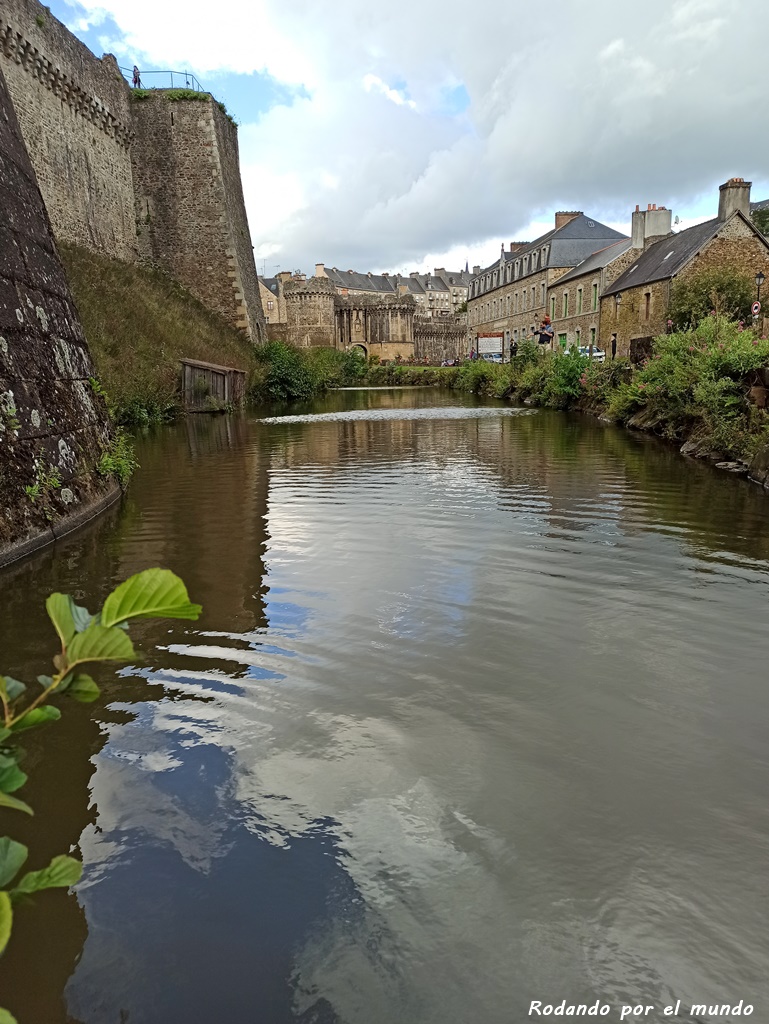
(665, 258)
(271, 283)
(598, 260)
(457, 278)
(762, 204)
(360, 282)
(568, 245)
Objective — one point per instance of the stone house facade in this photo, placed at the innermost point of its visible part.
(634, 305)
(273, 299)
(511, 296)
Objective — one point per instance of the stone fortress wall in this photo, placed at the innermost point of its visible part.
(75, 117)
(53, 427)
(152, 181)
(386, 326)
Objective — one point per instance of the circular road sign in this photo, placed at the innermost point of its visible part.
(756, 308)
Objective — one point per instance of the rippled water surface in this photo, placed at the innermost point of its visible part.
(477, 713)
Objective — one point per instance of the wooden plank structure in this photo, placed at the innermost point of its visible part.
(207, 387)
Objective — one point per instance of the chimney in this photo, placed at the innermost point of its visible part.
(476, 271)
(650, 224)
(320, 270)
(515, 246)
(734, 195)
(563, 217)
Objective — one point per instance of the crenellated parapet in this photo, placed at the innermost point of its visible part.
(132, 174)
(22, 51)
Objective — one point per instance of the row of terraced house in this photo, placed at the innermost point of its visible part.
(599, 286)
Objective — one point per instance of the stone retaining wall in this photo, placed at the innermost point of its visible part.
(53, 428)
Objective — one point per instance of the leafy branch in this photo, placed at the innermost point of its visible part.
(84, 639)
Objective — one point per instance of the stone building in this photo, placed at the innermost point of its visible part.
(574, 301)
(377, 325)
(273, 299)
(510, 296)
(441, 293)
(634, 305)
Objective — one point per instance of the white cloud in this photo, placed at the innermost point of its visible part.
(372, 82)
(368, 169)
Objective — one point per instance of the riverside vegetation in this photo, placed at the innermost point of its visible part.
(84, 639)
(693, 387)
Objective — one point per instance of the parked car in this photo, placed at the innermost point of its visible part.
(598, 353)
(492, 357)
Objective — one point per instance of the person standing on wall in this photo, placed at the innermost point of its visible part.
(546, 332)
(137, 78)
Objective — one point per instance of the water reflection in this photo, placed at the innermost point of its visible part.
(474, 716)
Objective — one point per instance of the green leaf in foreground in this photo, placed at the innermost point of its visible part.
(11, 776)
(12, 856)
(11, 688)
(6, 919)
(101, 643)
(35, 717)
(59, 608)
(61, 873)
(83, 689)
(154, 593)
(6, 1017)
(13, 804)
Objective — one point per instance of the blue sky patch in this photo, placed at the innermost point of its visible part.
(246, 96)
(456, 100)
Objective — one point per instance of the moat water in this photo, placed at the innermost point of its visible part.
(477, 713)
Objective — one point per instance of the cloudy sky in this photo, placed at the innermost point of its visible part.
(382, 136)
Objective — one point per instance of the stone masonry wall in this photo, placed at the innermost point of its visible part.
(241, 258)
(53, 428)
(74, 112)
(189, 204)
(310, 316)
(437, 341)
(736, 247)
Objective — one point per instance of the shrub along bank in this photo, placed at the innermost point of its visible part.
(694, 387)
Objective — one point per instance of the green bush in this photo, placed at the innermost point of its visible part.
(119, 460)
(562, 384)
(727, 292)
(695, 384)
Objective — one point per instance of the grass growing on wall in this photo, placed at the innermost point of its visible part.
(139, 324)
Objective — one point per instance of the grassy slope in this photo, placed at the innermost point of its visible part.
(139, 324)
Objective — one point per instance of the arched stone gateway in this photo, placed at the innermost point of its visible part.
(359, 348)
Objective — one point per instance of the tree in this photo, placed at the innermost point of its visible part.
(727, 291)
(761, 219)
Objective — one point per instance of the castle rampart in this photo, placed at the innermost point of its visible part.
(155, 180)
(75, 117)
(53, 428)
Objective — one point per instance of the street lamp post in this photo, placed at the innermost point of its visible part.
(759, 281)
